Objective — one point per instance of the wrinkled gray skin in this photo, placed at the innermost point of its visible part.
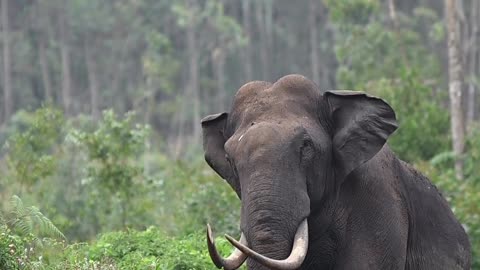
(291, 153)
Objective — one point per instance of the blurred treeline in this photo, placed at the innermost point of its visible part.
(175, 61)
(102, 102)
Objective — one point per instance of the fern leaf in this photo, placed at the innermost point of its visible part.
(47, 227)
(17, 208)
(28, 219)
(23, 225)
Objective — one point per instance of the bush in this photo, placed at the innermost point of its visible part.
(149, 249)
(193, 195)
(30, 148)
(424, 125)
(12, 249)
(113, 149)
(24, 251)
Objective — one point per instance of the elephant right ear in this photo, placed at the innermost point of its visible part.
(362, 125)
(213, 144)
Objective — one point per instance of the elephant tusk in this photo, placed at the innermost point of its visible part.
(234, 261)
(294, 261)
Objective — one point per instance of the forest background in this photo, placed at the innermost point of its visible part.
(101, 158)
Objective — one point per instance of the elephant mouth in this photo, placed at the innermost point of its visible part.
(242, 252)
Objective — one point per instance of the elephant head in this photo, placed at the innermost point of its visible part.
(285, 148)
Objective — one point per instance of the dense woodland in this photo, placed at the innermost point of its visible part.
(173, 62)
(102, 101)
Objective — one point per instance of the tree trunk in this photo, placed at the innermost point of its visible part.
(247, 58)
(218, 59)
(455, 86)
(476, 109)
(66, 74)
(327, 60)
(118, 64)
(179, 119)
(92, 80)
(47, 81)
(268, 4)
(473, 58)
(193, 70)
(260, 18)
(393, 16)
(7, 64)
(312, 24)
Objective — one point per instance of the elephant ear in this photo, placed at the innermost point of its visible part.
(361, 126)
(213, 144)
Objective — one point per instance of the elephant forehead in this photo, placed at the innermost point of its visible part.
(291, 95)
(261, 137)
(284, 115)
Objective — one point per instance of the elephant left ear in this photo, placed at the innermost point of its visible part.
(361, 126)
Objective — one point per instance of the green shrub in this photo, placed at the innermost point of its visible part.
(424, 125)
(11, 249)
(195, 196)
(30, 149)
(139, 250)
(24, 251)
(395, 64)
(113, 149)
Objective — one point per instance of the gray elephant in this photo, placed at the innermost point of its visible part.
(321, 189)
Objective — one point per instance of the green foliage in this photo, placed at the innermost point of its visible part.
(372, 52)
(423, 124)
(113, 150)
(91, 178)
(190, 195)
(472, 157)
(352, 11)
(159, 65)
(104, 180)
(29, 220)
(13, 253)
(114, 140)
(211, 200)
(22, 232)
(30, 149)
(393, 64)
(138, 250)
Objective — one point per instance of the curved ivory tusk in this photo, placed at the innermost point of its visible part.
(294, 261)
(234, 261)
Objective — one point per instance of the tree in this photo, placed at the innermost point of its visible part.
(7, 74)
(65, 55)
(264, 13)
(473, 58)
(113, 149)
(193, 80)
(247, 28)
(312, 24)
(43, 29)
(455, 86)
(92, 70)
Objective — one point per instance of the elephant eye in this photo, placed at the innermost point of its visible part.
(307, 150)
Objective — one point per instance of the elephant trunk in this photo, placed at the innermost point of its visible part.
(294, 259)
(274, 220)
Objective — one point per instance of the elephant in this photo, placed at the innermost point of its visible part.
(319, 186)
